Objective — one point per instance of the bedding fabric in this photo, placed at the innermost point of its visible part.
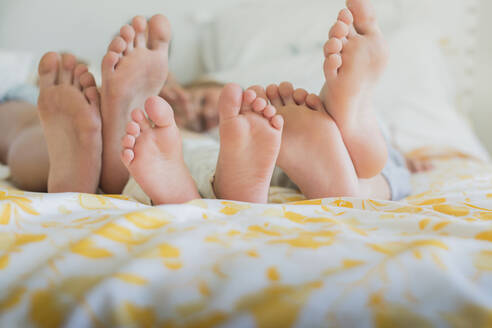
(79, 260)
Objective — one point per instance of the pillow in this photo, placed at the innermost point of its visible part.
(416, 98)
(15, 69)
(454, 26)
(256, 31)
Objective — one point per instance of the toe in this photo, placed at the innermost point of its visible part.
(260, 91)
(127, 156)
(128, 141)
(249, 97)
(364, 16)
(87, 80)
(339, 30)
(67, 66)
(109, 62)
(269, 111)
(48, 69)
(277, 122)
(300, 96)
(274, 95)
(230, 101)
(118, 45)
(333, 46)
(159, 32)
(259, 104)
(77, 74)
(286, 91)
(139, 24)
(314, 102)
(132, 128)
(346, 16)
(128, 34)
(138, 116)
(331, 65)
(92, 96)
(159, 112)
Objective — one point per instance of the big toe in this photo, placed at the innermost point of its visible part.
(159, 32)
(48, 69)
(230, 101)
(364, 16)
(159, 111)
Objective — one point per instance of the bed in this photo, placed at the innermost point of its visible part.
(79, 260)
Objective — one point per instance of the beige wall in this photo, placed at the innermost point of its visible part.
(482, 106)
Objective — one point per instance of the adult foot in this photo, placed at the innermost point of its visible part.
(356, 55)
(134, 69)
(68, 106)
(313, 153)
(153, 155)
(250, 137)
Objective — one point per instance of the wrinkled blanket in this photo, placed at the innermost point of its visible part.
(79, 260)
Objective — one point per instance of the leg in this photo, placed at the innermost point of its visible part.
(133, 70)
(154, 157)
(28, 159)
(68, 106)
(250, 137)
(22, 146)
(14, 118)
(356, 55)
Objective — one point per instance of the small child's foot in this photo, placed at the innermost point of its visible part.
(153, 155)
(250, 137)
(134, 69)
(68, 106)
(356, 55)
(312, 154)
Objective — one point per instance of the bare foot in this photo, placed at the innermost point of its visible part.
(134, 69)
(69, 110)
(312, 154)
(356, 55)
(250, 137)
(153, 155)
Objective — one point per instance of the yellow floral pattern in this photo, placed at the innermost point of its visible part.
(104, 261)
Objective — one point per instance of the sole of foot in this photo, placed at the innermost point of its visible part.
(313, 153)
(153, 155)
(69, 109)
(250, 139)
(134, 69)
(355, 57)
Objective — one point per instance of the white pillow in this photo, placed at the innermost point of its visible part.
(416, 97)
(15, 68)
(256, 31)
(454, 26)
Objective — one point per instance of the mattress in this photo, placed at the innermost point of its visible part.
(79, 260)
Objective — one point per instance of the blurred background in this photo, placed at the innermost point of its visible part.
(205, 31)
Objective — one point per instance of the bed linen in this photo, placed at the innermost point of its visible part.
(80, 260)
